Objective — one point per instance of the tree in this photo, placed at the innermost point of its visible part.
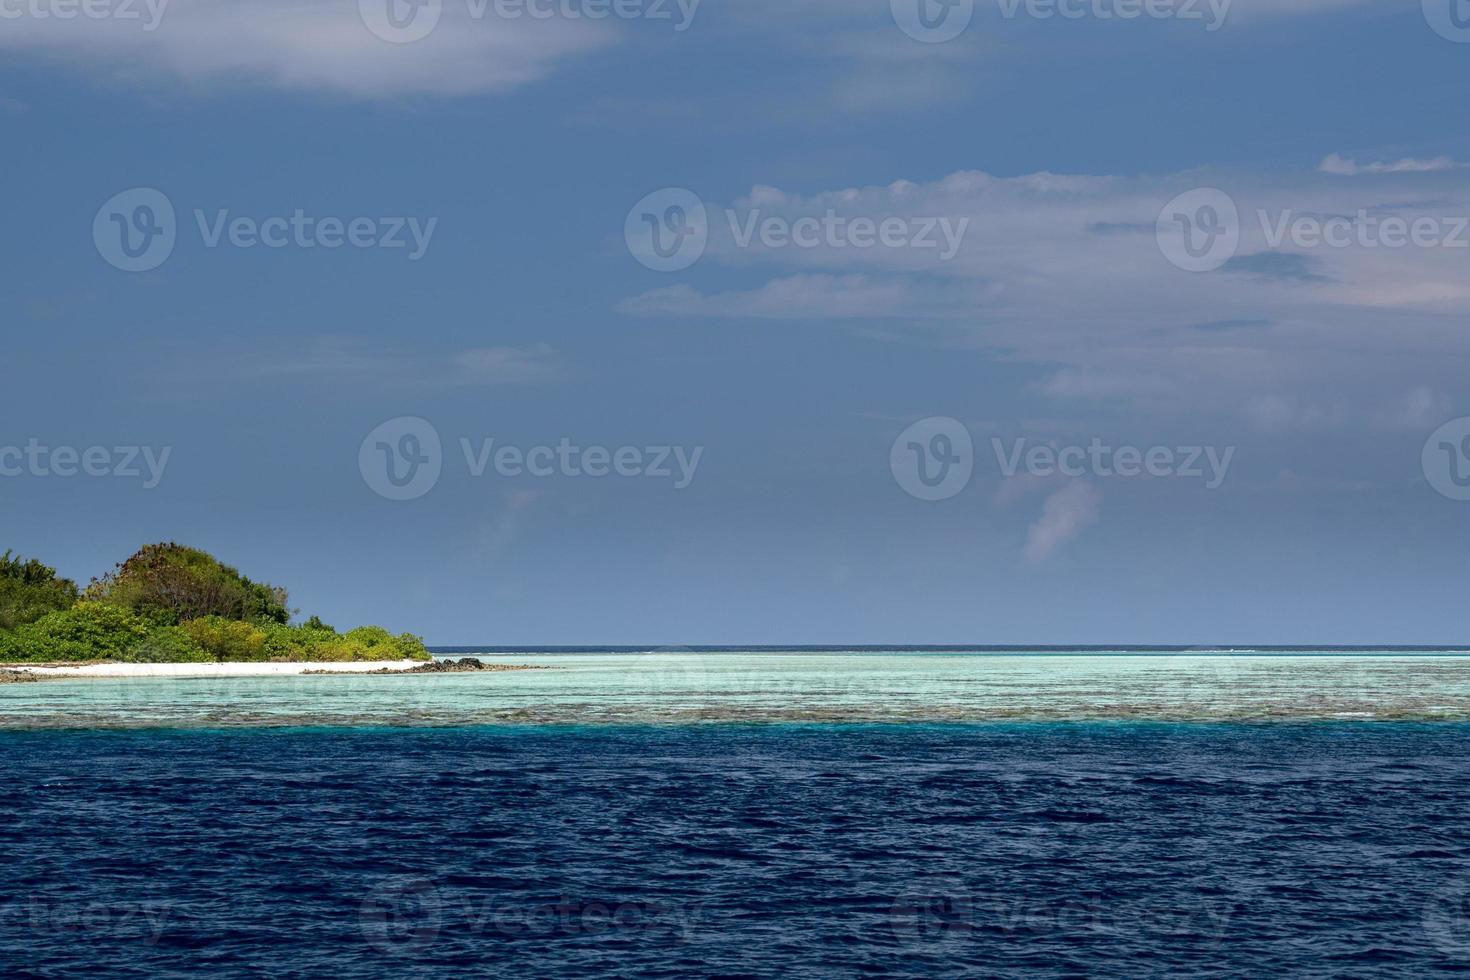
(30, 590)
(169, 583)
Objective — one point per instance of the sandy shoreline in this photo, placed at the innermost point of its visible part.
(215, 670)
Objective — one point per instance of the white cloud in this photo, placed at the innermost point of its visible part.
(1066, 271)
(338, 357)
(505, 365)
(314, 45)
(1289, 413)
(1346, 167)
(1064, 515)
(794, 297)
(1419, 409)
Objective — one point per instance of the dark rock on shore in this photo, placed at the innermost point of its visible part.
(447, 666)
(463, 665)
(16, 677)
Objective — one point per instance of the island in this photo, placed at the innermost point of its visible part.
(176, 609)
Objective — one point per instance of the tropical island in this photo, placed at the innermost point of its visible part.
(170, 604)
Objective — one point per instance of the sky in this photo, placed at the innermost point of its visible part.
(524, 322)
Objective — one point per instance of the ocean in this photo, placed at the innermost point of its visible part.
(790, 814)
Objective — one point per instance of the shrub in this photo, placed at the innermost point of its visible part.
(365, 643)
(86, 631)
(227, 639)
(169, 583)
(30, 590)
(170, 604)
(169, 645)
(295, 642)
(382, 645)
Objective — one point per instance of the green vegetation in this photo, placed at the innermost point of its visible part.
(168, 583)
(30, 590)
(170, 604)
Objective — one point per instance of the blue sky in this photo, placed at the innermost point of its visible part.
(1060, 319)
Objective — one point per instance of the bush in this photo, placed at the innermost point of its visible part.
(86, 631)
(295, 642)
(30, 590)
(170, 604)
(171, 584)
(286, 643)
(228, 639)
(169, 645)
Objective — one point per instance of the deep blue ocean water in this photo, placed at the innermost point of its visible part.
(1112, 850)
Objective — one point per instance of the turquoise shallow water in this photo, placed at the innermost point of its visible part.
(679, 686)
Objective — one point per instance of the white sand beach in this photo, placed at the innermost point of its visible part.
(216, 670)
